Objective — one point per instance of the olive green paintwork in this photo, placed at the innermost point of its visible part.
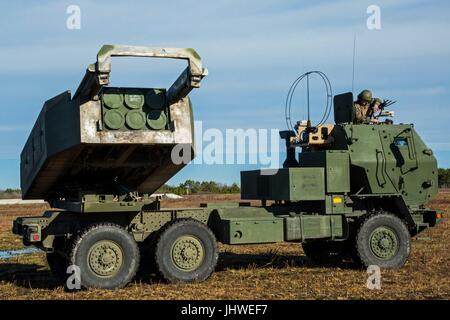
(107, 203)
(390, 159)
(105, 258)
(324, 192)
(232, 224)
(94, 155)
(384, 243)
(293, 184)
(384, 163)
(261, 225)
(187, 253)
(336, 164)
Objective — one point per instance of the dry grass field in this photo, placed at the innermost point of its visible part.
(275, 271)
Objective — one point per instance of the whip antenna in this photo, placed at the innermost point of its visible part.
(307, 97)
(354, 54)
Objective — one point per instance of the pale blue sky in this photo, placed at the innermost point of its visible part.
(253, 50)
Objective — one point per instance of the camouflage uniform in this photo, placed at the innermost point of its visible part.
(363, 112)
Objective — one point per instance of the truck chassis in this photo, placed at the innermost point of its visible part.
(182, 242)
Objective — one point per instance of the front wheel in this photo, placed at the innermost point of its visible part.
(383, 240)
(186, 251)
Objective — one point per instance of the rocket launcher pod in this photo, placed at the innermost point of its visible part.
(111, 140)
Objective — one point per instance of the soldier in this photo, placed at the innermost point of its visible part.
(376, 105)
(365, 107)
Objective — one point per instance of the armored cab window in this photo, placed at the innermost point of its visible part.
(401, 142)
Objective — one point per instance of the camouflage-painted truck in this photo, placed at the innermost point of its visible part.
(355, 191)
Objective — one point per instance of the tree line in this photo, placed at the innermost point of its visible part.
(192, 187)
(444, 177)
(187, 187)
(10, 193)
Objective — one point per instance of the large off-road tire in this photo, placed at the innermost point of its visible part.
(57, 264)
(107, 255)
(324, 252)
(186, 251)
(382, 239)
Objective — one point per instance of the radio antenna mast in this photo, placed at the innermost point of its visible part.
(353, 69)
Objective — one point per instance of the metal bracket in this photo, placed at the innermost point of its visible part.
(97, 74)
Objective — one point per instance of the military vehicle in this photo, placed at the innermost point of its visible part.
(354, 191)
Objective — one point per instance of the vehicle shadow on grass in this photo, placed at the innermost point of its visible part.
(229, 260)
(29, 276)
(242, 261)
(34, 276)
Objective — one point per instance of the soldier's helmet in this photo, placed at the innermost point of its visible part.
(365, 95)
(376, 100)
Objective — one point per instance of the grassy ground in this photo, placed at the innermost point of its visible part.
(275, 271)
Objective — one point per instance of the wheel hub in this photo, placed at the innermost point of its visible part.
(187, 253)
(105, 258)
(384, 243)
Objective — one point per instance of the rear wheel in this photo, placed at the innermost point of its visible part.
(186, 251)
(107, 255)
(383, 240)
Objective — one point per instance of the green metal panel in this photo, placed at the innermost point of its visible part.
(292, 184)
(306, 184)
(335, 203)
(247, 225)
(368, 158)
(304, 227)
(293, 229)
(337, 171)
(244, 213)
(336, 164)
(258, 225)
(319, 226)
(391, 159)
(258, 231)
